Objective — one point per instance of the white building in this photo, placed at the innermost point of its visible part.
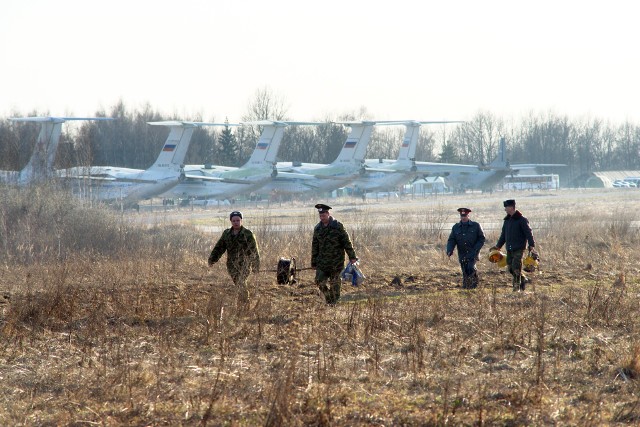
(428, 185)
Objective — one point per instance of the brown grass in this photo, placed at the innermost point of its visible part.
(143, 333)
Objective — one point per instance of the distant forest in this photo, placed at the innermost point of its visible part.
(586, 145)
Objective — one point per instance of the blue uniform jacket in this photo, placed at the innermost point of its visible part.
(468, 237)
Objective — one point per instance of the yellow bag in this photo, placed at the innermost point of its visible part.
(497, 257)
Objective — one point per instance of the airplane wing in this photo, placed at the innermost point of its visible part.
(281, 123)
(336, 177)
(294, 175)
(417, 122)
(202, 177)
(57, 119)
(92, 177)
(218, 179)
(535, 165)
(106, 178)
(187, 123)
(370, 169)
(287, 170)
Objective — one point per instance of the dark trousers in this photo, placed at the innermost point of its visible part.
(469, 273)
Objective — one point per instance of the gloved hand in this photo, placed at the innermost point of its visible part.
(449, 253)
(210, 263)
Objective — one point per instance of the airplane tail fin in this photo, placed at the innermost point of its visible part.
(355, 147)
(501, 162)
(175, 147)
(41, 162)
(409, 142)
(266, 151)
(411, 135)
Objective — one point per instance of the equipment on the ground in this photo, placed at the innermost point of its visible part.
(531, 263)
(286, 271)
(497, 257)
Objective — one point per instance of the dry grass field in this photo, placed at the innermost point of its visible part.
(115, 319)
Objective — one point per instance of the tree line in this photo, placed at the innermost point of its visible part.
(585, 145)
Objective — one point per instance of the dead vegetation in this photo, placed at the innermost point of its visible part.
(144, 334)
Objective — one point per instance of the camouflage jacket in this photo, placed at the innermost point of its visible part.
(516, 232)
(329, 244)
(242, 251)
(468, 237)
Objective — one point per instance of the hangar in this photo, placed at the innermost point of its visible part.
(603, 179)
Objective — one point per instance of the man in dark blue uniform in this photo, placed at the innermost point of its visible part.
(468, 236)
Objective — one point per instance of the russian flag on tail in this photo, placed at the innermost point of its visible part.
(169, 147)
(262, 145)
(350, 143)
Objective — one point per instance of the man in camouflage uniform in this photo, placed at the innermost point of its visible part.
(243, 256)
(516, 232)
(468, 236)
(330, 242)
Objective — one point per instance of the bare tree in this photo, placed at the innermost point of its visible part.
(627, 147)
(385, 142)
(329, 141)
(478, 139)
(265, 105)
(427, 145)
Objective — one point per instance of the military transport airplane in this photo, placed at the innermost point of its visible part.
(223, 182)
(486, 177)
(41, 163)
(459, 176)
(348, 166)
(109, 183)
(405, 166)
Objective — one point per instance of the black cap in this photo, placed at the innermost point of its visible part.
(509, 202)
(322, 208)
(235, 213)
(464, 210)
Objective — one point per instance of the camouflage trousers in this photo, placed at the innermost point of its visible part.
(240, 279)
(329, 284)
(514, 262)
(470, 277)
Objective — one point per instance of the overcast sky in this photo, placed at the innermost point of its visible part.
(399, 59)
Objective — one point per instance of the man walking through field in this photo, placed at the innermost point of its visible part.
(243, 255)
(516, 233)
(329, 244)
(468, 236)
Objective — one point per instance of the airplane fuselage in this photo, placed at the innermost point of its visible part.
(116, 183)
(224, 184)
(328, 177)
